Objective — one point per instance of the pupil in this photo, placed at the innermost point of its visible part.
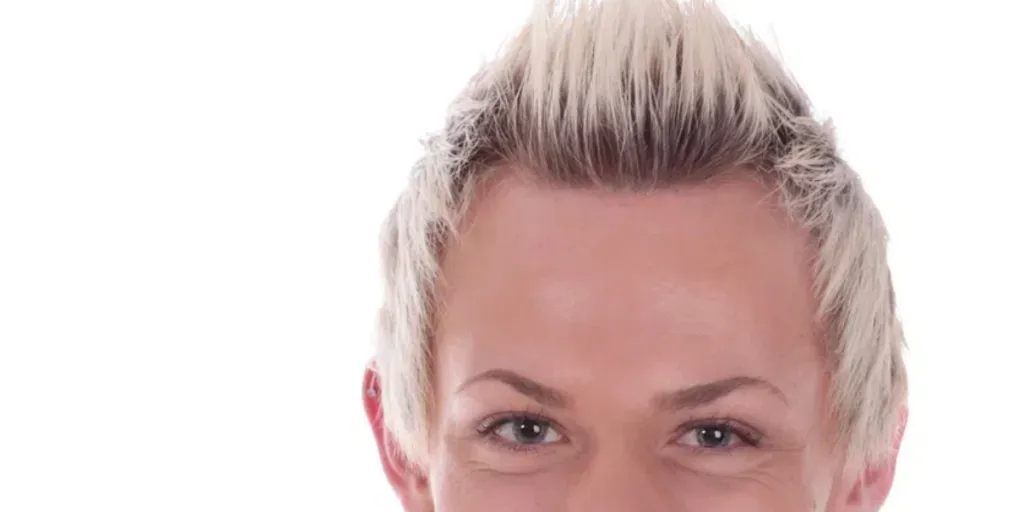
(713, 437)
(530, 431)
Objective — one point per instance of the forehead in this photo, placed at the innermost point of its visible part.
(695, 283)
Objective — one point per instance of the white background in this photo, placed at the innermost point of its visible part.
(190, 193)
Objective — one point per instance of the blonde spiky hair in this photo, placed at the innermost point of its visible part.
(639, 95)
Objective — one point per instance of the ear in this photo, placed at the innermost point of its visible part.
(872, 487)
(407, 480)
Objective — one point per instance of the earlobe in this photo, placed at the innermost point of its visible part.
(404, 477)
(874, 484)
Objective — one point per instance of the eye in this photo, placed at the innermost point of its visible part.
(718, 436)
(523, 431)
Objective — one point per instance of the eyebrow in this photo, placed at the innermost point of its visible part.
(704, 394)
(544, 395)
(686, 398)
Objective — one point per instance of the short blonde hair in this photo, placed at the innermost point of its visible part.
(636, 95)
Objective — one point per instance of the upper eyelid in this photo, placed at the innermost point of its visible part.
(715, 422)
(718, 421)
(491, 422)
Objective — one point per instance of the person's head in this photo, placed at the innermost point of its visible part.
(632, 273)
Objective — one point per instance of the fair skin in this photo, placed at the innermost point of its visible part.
(609, 351)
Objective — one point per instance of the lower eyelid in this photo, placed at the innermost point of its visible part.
(504, 444)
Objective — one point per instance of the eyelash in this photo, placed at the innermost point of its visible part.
(489, 428)
(750, 437)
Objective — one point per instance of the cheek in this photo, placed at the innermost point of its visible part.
(462, 486)
(763, 491)
(461, 482)
(461, 489)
